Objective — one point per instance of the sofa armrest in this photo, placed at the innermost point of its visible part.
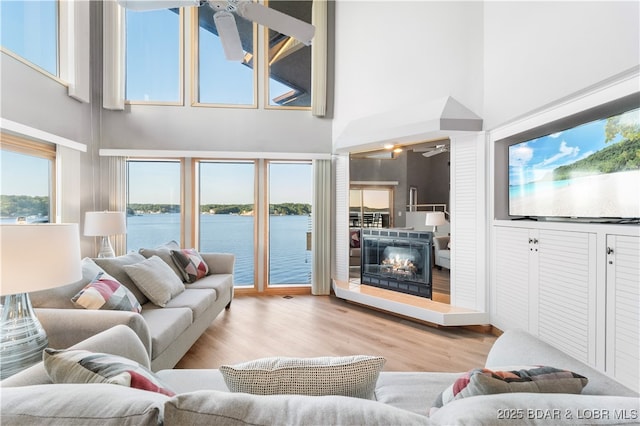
(67, 327)
(440, 243)
(220, 263)
(519, 347)
(119, 340)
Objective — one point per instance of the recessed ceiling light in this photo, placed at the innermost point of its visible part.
(397, 150)
(388, 146)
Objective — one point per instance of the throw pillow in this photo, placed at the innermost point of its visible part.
(190, 264)
(354, 376)
(106, 293)
(482, 381)
(163, 251)
(156, 280)
(79, 366)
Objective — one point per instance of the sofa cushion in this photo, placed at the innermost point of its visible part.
(164, 252)
(219, 282)
(215, 407)
(353, 376)
(198, 300)
(80, 366)
(190, 263)
(165, 325)
(114, 267)
(70, 404)
(482, 381)
(106, 293)
(410, 390)
(156, 280)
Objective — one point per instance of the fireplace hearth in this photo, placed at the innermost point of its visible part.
(398, 260)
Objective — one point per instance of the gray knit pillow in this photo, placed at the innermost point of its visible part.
(354, 376)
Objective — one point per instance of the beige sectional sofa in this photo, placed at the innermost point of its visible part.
(166, 332)
(400, 398)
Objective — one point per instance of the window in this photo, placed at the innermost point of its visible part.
(221, 81)
(290, 196)
(27, 180)
(289, 60)
(30, 30)
(154, 56)
(370, 207)
(153, 203)
(227, 214)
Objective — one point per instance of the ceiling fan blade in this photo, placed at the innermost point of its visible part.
(141, 5)
(229, 36)
(277, 21)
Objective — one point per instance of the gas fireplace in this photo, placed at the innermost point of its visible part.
(397, 260)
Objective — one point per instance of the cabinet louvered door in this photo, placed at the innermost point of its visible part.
(566, 291)
(623, 309)
(511, 299)
(341, 238)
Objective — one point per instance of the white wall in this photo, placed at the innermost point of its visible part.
(215, 129)
(29, 97)
(395, 54)
(501, 59)
(536, 53)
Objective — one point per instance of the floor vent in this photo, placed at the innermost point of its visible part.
(287, 297)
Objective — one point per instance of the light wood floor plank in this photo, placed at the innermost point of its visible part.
(310, 326)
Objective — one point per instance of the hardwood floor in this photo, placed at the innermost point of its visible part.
(310, 326)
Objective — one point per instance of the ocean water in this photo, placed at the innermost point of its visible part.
(290, 262)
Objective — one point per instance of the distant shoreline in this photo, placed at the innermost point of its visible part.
(605, 195)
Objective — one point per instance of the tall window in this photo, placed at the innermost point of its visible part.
(289, 60)
(221, 81)
(154, 56)
(290, 196)
(30, 30)
(153, 203)
(227, 214)
(26, 181)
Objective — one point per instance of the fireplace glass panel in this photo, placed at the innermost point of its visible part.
(399, 261)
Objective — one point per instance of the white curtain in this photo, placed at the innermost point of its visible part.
(319, 59)
(117, 187)
(321, 223)
(113, 60)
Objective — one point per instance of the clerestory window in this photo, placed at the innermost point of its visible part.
(29, 31)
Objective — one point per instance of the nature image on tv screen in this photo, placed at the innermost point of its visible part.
(588, 171)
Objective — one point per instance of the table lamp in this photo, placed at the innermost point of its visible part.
(32, 257)
(435, 219)
(103, 224)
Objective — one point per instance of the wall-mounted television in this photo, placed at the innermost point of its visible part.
(588, 171)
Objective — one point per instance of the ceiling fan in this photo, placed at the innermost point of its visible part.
(434, 150)
(226, 24)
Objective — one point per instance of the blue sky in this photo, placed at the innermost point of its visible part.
(533, 160)
(221, 182)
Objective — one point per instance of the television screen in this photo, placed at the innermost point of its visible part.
(588, 171)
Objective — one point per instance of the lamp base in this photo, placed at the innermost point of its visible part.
(22, 338)
(105, 248)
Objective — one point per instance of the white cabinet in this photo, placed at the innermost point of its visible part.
(545, 282)
(623, 309)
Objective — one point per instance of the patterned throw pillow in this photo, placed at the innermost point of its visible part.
(482, 381)
(190, 264)
(106, 293)
(354, 376)
(79, 366)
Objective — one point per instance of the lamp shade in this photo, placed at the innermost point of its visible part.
(38, 256)
(101, 224)
(435, 219)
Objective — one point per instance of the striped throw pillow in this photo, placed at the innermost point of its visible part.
(105, 292)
